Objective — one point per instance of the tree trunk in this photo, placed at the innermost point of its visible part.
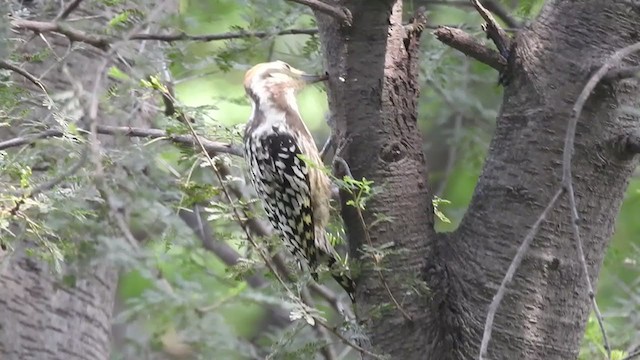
(544, 313)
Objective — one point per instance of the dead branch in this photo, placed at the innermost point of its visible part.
(493, 30)
(68, 10)
(468, 45)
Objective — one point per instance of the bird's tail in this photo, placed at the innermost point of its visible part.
(338, 271)
(343, 279)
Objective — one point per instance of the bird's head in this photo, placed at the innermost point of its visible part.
(276, 76)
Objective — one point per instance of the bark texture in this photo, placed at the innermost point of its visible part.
(546, 307)
(373, 93)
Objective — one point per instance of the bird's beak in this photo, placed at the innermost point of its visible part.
(311, 79)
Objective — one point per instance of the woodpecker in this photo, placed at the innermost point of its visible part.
(295, 194)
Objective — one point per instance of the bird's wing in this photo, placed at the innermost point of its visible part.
(291, 209)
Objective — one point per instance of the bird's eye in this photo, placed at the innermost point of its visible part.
(287, 66)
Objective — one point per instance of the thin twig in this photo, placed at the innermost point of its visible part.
(633, 355)
(452, 154)
(68, 10)
(376, 260)
(327, 350)
(515, 263)
(51, 183)
(24, 73)
(349, 342)
(567, 180)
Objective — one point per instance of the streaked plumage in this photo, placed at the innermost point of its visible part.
(295, 195)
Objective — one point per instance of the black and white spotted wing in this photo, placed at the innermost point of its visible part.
(281, 179)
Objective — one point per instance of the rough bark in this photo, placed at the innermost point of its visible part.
(373, 94)
(546, 308)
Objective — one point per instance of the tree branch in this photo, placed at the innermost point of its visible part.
(68, 10)
(341, 13)
(501, 12)
(223, 36)
(493, 30)
(633, 355)
(23, 73)
(229, 256)
(72, 34)
(103, 43)
(211, 146)
(469, 46)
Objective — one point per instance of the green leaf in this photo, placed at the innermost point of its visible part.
(117, 74)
